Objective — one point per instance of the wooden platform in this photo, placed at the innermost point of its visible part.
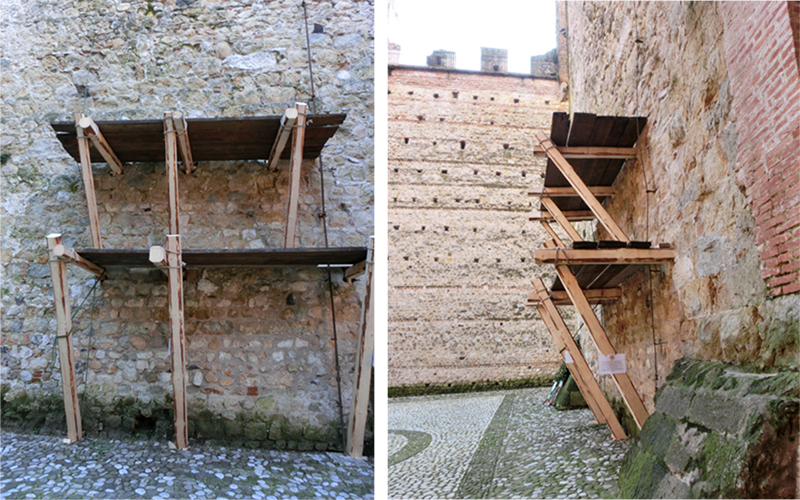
(267, 257)
(212, 139)
(590, 130)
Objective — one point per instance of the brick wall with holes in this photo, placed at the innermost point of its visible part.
(461, 243)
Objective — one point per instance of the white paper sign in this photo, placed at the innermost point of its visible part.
(568, 358)
(611, 363)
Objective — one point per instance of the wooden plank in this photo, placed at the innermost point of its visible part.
(556, 239)
(604, 256)
(555, 324)
(72, 409)
(68, 254)
(88, 184)
(158, 257)
(568, 192)
(576, 182)
(298, 136)
(561, 219)
(172, 173)
(355, 271)
(288, 120)
(594, 296)
(181, 128)
(90, 130)
(590, 152)
(357, 423)
(573, 215)
(176, 323)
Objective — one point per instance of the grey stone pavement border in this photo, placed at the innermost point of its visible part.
(525, 449)
(34, 466)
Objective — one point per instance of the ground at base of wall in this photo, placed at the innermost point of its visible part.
(719, 431)
(461, 387)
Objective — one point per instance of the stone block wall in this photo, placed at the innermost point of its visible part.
(461, 243)
(259, 340)
(715, 302)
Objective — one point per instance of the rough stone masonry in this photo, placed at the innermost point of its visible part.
(260, 347)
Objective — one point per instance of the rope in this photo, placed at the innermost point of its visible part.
(325, 233)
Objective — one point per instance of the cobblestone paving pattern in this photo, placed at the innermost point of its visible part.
(528, 450)
(455, 424)
(45, 467)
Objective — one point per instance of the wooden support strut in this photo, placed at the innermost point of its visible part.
(88, 183)
(555, 324)
(181, 128)
(551, 207)
(287, 124)
(355, 271)
(573, 215)
(90, 130)
(604, 255)
(566, 192)
(357, 423)
(298, 138)
(594, 296)
(172, 173)
(58, 272)
(590, 152)
(583, 191)
(176, 322)
(601, 340)
(68, 254)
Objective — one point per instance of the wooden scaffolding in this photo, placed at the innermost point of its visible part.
(209, 139)
(588, 272)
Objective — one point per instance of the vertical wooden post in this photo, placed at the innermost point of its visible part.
(58, 272)
(357, 424)
(172, 173)
(298, 139)
(176, 323)
(88, 182)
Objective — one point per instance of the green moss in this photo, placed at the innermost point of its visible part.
(4, 157)
(721, 461)
(640, 474)
(462, 387)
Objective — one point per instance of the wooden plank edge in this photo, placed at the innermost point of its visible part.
(594, 296)
(604, 256)
(571, 215)
(590, 152)
(569, 192)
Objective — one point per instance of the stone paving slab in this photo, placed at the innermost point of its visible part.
(44, 467)
(525, 450)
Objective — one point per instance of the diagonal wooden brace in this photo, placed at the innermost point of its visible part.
(182, 131)
(298, 139)
(288, 120)
(90, 129)
(551, 207)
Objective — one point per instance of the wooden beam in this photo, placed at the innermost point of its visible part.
(298, 138)
(58, 272)
(158, 257)
(552, 233)
(573, 215)
(287, 124)
(357, 423)
(604, 256)
(566, 192)
(355, 271)
(555, 324)
(172, 173)
(88, 183)
(179, 122)
(583, 191)
(565, 224)
(68, 254)
(594, 296)
(590, 152)
(90, 129)
(176, 322)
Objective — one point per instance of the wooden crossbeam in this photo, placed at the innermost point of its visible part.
(590, 152)
(604, 256)
(558, 329)
(573, 215)
(355, 271)
(91, 130)
(583, 191)
(58, 272)
(88, 183)
(546, 225)
(357, 423)
(68, 254)
(594, 296)
(601, 340)
(178, 336)
(565, 192)
(170, 145)
(562, 220)
(179, 123)
(298, 138)
(288, 120)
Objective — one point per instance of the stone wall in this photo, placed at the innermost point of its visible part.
(259, 341)
(715, 302)
(461, 243)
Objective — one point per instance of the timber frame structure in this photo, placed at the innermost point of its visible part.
(588, 272)
(213, 139)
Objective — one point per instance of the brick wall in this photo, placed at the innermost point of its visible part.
(461, 243)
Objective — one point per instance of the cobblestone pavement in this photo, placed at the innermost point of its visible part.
(45, 467)
(498, 445)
